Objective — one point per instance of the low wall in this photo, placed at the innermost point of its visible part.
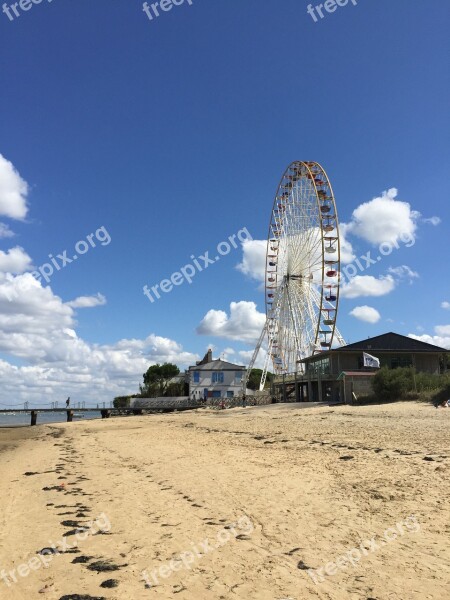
(172, 403)
(258, 400)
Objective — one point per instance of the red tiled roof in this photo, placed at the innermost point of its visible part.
(359, 373)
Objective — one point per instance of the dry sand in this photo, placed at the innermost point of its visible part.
(168, 483)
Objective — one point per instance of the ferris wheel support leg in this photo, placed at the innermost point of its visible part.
(254, 357)
(339, 338)
(264, 373)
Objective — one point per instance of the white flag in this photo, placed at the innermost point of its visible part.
(371, 361)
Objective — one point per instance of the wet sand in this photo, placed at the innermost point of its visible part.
(265, 503)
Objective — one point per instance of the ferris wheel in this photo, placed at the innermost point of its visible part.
(302, 271)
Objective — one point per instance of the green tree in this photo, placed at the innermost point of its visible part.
(122, 401)
(157, 379)
(176, 389)
(255, 379)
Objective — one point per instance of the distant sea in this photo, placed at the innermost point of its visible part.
(13, 419)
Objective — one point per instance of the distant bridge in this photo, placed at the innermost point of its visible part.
(144, 405)
(139, 406)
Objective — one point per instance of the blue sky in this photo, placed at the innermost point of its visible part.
(172, 134)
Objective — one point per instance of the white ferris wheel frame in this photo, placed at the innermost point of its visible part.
(302, 271)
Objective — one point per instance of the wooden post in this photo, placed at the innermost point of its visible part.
(319, 385)
(69, 416)
(33, 417)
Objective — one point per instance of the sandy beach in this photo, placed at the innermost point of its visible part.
(269, 503)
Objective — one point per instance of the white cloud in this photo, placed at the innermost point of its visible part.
(13, 191)
(443, 330)
(5, 231)
(254, 259)
(366, 313)
(433, 221)
(347, 254)
(445, 305)
(384, 219)
(441, 339)
(247, 355)
(229, 351)
(15, 261)
(228, 354)
(404, 272)
(367, 285)
(244, 323)
(39, 329)
(87, 301)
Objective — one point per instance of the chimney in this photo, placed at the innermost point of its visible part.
(206, 359)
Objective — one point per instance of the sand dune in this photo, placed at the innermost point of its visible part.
(258, 503)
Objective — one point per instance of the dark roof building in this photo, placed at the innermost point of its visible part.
(391, 342)
(340, 373)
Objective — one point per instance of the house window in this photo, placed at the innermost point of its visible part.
(319, 367)
(230, 394)
(401, 361)
(217, 377)
(238, 376)
(196, 376)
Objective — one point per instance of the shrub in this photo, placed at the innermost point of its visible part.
(393, 384)
(406, 384)
(428, 382)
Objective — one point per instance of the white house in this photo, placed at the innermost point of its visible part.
(215, 379)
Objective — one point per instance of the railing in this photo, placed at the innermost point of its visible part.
(58, 405)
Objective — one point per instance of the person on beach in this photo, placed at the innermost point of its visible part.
(442, 404)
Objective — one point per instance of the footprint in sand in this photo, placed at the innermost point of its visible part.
(110, 583)
(293, 551)
(82, 560)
